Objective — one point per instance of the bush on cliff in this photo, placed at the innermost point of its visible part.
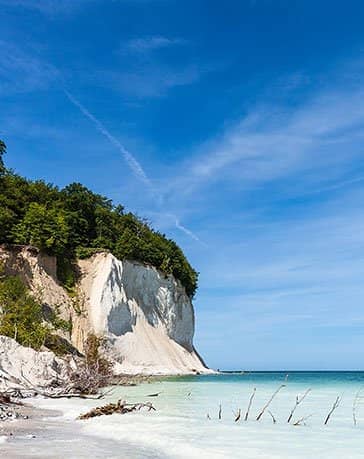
(24, 319)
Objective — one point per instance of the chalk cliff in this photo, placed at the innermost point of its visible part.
(146, 318)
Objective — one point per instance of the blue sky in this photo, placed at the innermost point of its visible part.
(236, 128)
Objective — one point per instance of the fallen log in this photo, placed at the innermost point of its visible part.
(120, 407)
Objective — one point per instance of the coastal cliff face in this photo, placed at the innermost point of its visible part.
(145, 317)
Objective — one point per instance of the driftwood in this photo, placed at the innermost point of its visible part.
(298, 401)
(302, 420)
(154, 395)
(237, 415)
(5, 399)
(118, 407)
(273, 418)
(357, 399)
(220, 412)
(334, 406)
(250, 404)
(269, 401)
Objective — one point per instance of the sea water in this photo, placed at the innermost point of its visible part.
(187, 423)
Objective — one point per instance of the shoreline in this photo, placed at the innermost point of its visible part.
(49, 434)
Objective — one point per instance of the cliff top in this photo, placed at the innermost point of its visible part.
(74, 222)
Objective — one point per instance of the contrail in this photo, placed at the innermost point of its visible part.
(186, 230)
(129, 158)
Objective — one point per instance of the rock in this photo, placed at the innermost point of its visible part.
(23, 367)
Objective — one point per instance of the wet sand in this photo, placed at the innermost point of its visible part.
(45, 434)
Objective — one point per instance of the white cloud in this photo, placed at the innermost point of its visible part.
(21, 72)
(151, 43)
(272, 143)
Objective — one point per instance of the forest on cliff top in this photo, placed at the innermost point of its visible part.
(74, 222)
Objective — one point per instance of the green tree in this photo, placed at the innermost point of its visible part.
(2, 152)
(75, 222)
(21, 316)
(44, 228)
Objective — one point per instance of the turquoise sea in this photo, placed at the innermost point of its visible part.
(186, 422)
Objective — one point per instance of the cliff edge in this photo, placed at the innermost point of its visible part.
(145, 317)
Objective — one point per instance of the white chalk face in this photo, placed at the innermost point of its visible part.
(147, 317)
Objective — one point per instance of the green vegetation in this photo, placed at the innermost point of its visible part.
(75, 222)
(22, 317)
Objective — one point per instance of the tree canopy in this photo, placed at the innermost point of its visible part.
(75, 222)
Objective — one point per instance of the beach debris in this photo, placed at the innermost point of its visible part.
(220, 412)
(302, 420)
(208, 416)
(237, 415)
(273, 418)
(298, 401)
(120, 407)
(270, 401)
(8, 407)
(154, 395)
(334, 406)
(250, 404)
(357, 399)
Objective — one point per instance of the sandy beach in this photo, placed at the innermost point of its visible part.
(46, 434)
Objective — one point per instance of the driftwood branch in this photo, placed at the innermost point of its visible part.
(273, 418)
(250, 404)
(357, 399)
(302, 420)
(118, 407)
(298, 401)
(270, 401)
(334, 406)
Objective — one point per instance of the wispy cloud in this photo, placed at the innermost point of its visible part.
(271, 143)
(151, 43)
(152, 80)
(22, 72)
(48, 7)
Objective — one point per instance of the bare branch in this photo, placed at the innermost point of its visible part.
(298, 401)
(302, 420)
(273, 418)
(250, 404)
(270, 401)
(357, 399)
(334, 406)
